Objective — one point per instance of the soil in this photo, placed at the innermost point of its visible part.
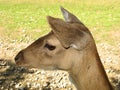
(13, 77)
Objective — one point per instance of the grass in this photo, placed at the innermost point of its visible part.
(25, 20)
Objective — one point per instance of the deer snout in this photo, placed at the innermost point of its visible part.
(19, 56)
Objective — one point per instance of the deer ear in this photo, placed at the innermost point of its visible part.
(60, 28)
(68, 35)
(69, 17)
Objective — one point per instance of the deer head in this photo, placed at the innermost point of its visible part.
(69, 46)
(66, 39)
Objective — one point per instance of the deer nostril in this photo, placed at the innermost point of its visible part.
(18, 56)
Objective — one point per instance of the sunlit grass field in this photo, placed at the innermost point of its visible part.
(25, 20)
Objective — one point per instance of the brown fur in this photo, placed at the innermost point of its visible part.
(70, 47)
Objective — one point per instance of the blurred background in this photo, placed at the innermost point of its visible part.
(25, 20)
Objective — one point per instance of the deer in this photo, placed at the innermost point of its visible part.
(69, 46)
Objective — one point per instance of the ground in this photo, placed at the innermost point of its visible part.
(13, 77)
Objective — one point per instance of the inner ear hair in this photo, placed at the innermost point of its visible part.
(74, 46)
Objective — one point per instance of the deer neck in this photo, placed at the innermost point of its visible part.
(90, 74)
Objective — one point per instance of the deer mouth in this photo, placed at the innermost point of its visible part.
(22, 63)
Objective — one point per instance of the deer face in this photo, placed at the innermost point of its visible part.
(43, 53)
(61, 48)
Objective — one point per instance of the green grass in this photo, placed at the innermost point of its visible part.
(25, 20)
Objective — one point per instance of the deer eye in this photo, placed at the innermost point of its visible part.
(49, 47)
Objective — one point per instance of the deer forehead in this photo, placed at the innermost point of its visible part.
(53, 40)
